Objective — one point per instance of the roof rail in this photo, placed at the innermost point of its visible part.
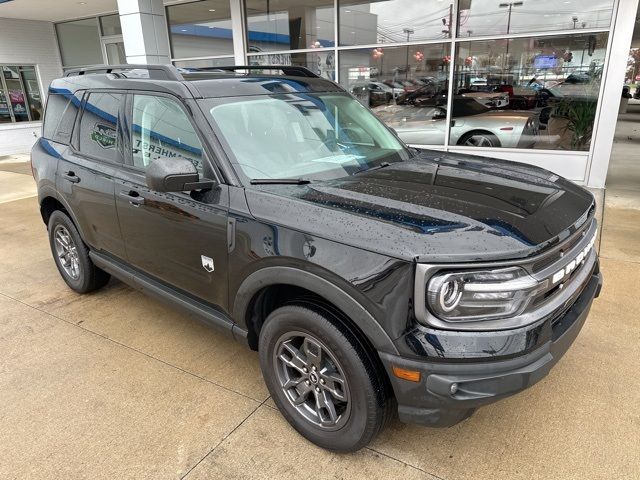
(290, 70)
(155, 72)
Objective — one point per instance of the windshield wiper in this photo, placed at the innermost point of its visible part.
(279, 181)
(377, 167)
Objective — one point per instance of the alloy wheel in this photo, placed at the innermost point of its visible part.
(312, 380)
(479, 141)
(67, 252)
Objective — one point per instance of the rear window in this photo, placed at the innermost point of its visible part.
(60, 117)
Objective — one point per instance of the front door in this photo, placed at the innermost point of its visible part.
(178, 238)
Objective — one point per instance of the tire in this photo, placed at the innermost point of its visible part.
(362, 402)
(72, 255)
(479, 138)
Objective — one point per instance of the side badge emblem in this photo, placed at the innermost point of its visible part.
(207, 263)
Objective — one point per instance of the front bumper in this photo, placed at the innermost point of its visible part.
(482, 381)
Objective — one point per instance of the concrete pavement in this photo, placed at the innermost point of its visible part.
(117, 385)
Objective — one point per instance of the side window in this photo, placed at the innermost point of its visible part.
(161, 129)
(99, 126)
(68, 119)
(60, 116)
(56, 105)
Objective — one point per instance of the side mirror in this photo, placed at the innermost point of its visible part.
(439, 115)
(174, 175)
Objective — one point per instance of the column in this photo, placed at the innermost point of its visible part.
(620, 40)
(144, 30)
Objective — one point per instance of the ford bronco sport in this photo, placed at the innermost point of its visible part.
(371, 277)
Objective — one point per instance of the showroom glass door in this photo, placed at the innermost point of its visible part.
(113, 49)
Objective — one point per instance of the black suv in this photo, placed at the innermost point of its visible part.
(368, 275)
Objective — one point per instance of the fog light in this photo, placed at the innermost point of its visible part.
(453, 388)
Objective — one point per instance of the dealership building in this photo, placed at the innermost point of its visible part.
(538, 81)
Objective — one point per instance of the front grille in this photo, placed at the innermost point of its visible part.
(569, 244)
(569, 283)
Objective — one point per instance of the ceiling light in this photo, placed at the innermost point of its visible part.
(212, 9)
(82, 3)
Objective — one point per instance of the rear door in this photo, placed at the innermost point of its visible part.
(87, 167)
(179, 238)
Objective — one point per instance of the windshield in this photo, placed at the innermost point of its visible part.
(465, 107)
(301, 135)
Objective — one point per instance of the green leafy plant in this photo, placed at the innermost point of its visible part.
(580, 114)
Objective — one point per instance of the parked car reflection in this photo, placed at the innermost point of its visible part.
(472, 124)
(372, 94)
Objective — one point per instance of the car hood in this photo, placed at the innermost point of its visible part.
(436, 207)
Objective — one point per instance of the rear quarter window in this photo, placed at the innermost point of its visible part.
(60, 117)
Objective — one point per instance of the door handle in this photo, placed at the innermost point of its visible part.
(72, 177)
(134, 197)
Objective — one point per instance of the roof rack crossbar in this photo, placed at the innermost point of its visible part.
(290, 70)
(157, 72)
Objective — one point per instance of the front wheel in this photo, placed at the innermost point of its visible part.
(322, 379)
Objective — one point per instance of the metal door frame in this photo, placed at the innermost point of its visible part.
(104, 41)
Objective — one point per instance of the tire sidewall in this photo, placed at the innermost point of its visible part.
(362, 424)
(82, 283)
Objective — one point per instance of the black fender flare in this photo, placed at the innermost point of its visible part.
(296, 277)
(47, 191)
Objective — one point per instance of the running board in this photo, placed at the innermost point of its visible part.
(152, 287)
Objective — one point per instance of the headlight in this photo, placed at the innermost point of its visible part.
(481, 294)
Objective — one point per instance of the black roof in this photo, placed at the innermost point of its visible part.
(195, 83)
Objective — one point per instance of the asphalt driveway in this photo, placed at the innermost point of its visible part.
(118, 385)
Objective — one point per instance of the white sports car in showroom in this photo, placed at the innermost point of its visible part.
(472, 124)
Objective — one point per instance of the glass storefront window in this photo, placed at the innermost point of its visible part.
(79, 42)
(20, 98)
(406, 87)
(388, 21)
(528, 92)
(274, 25)
(200, 29)
(322, 63)
(110, 25)
(34, 100)
(5, 113)
(493, 17)
(16, 94)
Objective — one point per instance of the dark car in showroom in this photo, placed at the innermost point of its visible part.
(372, 279)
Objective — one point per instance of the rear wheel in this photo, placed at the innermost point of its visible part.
(479, 139)
(72, 255)
(321, 379)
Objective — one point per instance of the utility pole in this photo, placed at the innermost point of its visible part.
(409, 32)
(510, 6)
